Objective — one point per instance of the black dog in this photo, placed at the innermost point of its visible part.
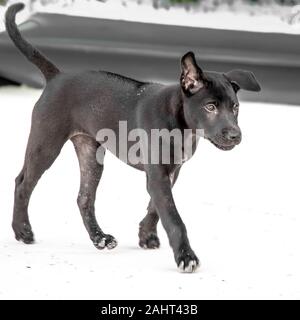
(77, 106)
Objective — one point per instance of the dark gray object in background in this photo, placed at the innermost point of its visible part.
(152, 52)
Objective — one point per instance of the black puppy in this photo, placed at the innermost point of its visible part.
(77, 106)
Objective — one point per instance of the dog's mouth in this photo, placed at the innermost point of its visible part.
(222, 146)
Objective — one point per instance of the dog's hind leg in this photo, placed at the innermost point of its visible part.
(90, 175)
(43, 148)
(148, 238)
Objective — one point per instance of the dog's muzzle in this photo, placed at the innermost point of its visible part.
(228, 139)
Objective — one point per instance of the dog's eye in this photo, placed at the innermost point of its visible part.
(210, 108)
(235, 108)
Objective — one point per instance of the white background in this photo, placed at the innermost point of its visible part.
(241, 209)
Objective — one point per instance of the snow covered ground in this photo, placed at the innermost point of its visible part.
(241, 209)
(269, 17)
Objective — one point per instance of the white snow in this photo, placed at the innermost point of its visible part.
(241, 209)
(269, 17)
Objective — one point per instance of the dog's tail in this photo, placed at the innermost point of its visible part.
(48, 69)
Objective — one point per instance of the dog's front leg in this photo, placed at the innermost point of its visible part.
(159, 187)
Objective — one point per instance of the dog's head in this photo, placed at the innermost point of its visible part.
(210, 101)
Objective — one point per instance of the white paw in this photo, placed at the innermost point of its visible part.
(112, 244)
(192, 266)
(100, 244)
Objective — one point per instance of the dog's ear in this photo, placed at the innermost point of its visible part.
(242, 79)
(192, 78)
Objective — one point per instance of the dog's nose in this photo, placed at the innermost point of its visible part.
(232, 134)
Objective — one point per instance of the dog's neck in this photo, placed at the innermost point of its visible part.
(175, 106)
(174, 97)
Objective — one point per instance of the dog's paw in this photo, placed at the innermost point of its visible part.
(105, 241)
(187, 261)
(149, 241)
(23, 233)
